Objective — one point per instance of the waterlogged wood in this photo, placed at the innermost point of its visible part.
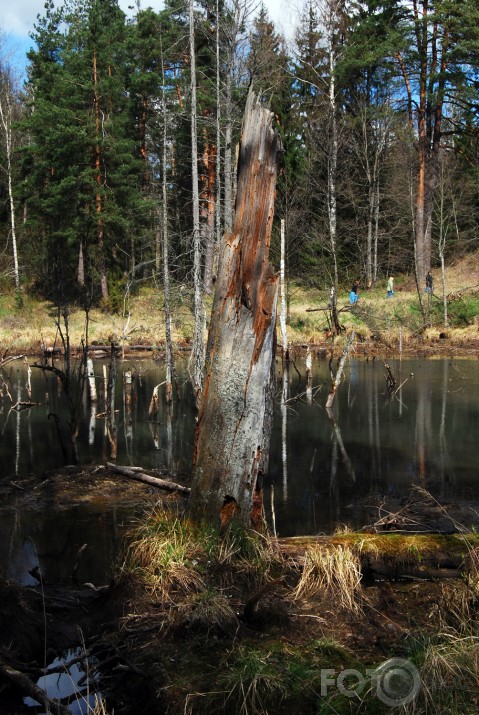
(234, 420)
(133, 473)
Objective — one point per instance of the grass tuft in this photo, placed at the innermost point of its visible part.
(334, 572)
(206, 612)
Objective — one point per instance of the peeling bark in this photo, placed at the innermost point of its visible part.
(234, 421)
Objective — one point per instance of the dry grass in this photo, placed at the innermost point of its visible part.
(333, 572)
(164, 554)
(25, 329)
(449, 677)
(208, 612)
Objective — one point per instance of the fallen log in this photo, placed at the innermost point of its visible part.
(147, 479)
(27, 686)
(395, 555)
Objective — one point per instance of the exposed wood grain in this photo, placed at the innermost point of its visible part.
(234, 420)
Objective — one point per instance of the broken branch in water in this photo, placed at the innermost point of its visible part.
(147, 479)
(24, 405)
(390, 379)
(5, 360)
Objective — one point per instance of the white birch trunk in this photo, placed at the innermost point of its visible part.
(6, 112)
(282, 292)
(170, 365)
(91, 380)
(333, 157)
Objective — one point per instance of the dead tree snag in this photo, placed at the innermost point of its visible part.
(234, 421)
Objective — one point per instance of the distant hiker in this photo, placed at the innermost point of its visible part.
(390, 287)
(429, 286)
(353, 296)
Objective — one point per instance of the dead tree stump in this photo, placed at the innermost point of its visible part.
(234, 421)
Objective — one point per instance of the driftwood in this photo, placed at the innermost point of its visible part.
(27, 686)
(133, 473)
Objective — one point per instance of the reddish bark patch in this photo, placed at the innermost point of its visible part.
(228, 511)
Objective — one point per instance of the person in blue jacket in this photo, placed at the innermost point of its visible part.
(353, 295)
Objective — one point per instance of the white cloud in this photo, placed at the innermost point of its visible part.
(20, 17)
(284, 14)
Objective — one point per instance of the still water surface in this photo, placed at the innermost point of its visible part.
(323, 469)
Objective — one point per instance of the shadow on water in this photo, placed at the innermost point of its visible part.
(325, 469)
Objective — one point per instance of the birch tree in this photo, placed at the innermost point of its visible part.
(8, 106)
(170, 366)
(198, 352)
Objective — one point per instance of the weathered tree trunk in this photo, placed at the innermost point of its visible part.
(234, 421)
(98, 198)
(228, 173)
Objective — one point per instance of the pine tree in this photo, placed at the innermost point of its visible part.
(83, 152)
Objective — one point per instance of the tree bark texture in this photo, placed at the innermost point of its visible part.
(234, 420)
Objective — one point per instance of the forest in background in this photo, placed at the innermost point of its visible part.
(119, 161)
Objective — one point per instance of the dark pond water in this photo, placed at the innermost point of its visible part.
(324, 470)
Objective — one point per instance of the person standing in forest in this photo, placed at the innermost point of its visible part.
(429, 283)
(390, 287)
(353, 295)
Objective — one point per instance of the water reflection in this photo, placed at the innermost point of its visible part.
(323, 465)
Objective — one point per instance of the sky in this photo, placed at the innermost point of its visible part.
(17, 18)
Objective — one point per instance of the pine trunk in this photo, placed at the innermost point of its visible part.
(234, 421)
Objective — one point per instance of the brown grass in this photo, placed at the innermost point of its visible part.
(334, 572)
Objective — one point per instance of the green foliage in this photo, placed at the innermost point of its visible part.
(281, 678)
(89, 147)
(462, 311)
